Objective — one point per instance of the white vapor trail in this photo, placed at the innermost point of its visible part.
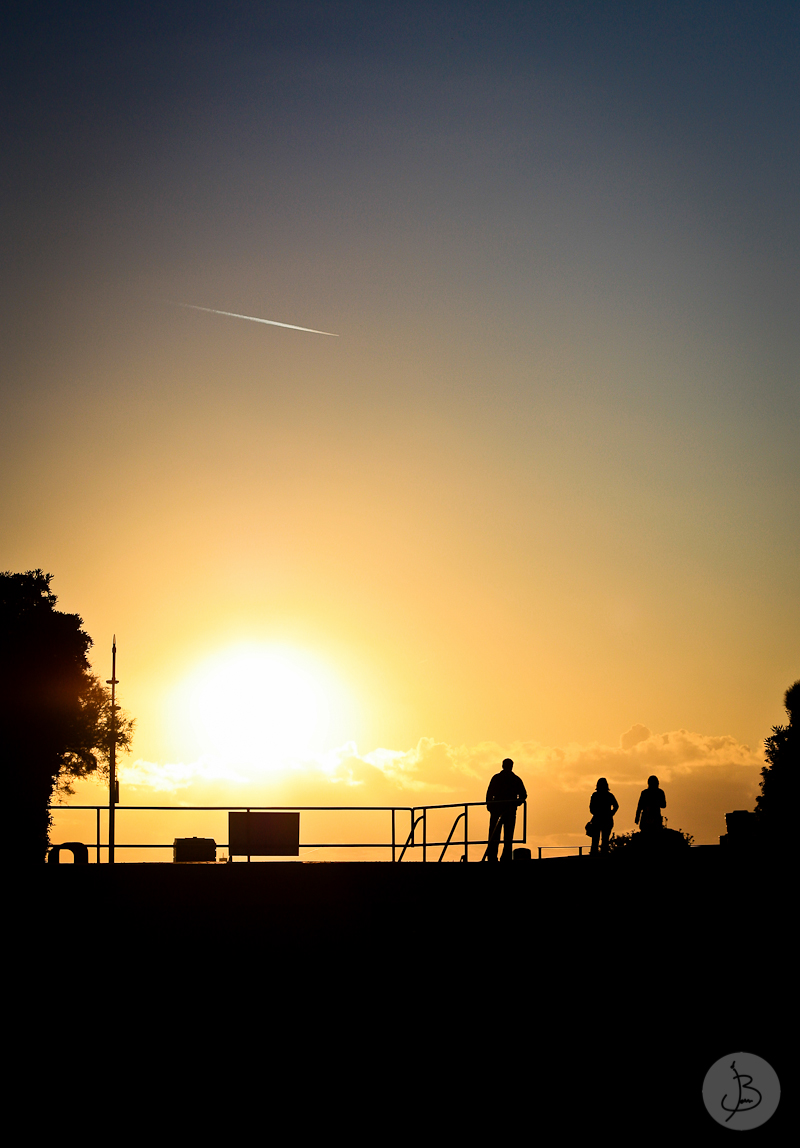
(253, 319)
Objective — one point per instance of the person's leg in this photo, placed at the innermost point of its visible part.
(494, 836)
(509, 821)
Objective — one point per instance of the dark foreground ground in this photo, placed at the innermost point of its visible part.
(540, 1002)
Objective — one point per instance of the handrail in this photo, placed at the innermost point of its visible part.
(249, 808)
(580, 848)
(452, 831)
(416, 814)
(410, 837)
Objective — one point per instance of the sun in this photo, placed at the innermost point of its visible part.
(256, 705)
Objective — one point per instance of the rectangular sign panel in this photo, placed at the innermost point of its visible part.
(264, 834)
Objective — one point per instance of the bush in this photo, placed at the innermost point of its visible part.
(671, 839)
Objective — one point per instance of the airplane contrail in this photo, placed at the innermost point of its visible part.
(254, 319)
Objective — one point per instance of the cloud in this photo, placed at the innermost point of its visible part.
(703, 776)
(634, 735)
(172, 777)
(639, 754)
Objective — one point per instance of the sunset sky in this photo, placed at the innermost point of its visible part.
(540, 496)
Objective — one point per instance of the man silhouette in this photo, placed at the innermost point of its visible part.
(504, 794)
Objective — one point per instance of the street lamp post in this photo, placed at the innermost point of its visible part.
(113, 788)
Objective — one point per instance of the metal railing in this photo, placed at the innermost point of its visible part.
(417, 837)
(580, 848)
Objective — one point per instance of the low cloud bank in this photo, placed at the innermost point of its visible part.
(173, 777)
(703, 777)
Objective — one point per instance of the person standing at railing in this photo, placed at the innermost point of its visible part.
(505, 793)
(602, 806)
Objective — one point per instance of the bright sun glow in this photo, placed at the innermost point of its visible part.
(255, 706)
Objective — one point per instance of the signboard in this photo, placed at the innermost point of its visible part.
(264, 834)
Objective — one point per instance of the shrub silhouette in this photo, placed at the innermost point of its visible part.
(627, 842)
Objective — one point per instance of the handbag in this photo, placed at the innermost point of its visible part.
(590, 828)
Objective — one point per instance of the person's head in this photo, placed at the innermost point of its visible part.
(508, 763)
(653, 782)
(602, 784)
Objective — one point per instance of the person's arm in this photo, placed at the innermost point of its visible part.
(662, 801)
(615, 805)
(522, 794)
(638, 812)
(490, 794)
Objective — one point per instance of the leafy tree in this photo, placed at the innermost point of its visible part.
(775, 803)
(55, 714)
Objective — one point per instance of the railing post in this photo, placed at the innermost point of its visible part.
(393, 845)
(424, 833)
(97, 839)
(540, 853)
(466, 832)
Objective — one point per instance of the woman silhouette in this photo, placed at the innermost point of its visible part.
(651, 802)
(602, 806)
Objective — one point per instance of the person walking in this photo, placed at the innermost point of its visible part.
(505, 793)
(602, 806)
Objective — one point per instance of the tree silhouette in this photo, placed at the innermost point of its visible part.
(55, 714)
(775, 804)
